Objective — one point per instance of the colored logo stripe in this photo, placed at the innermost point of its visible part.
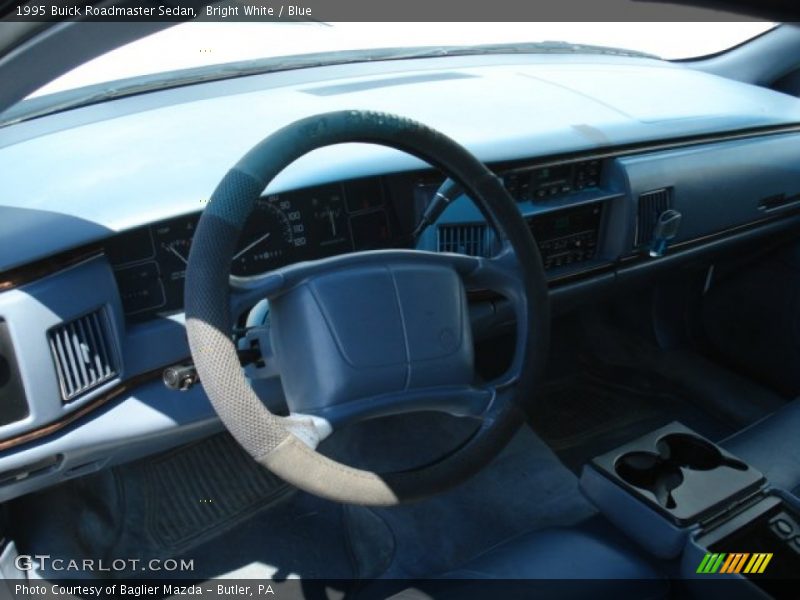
(734, 562)
(711, 563)
(758, 563)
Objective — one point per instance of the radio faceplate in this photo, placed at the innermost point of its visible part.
(543, 183)
(568, 236)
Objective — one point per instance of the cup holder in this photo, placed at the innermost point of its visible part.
(695, 453)
(663, 471)
(673, 471)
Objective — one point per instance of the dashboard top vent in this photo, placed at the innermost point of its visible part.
(82, 354)
(462, 238)
(651, 205)
(360, 86)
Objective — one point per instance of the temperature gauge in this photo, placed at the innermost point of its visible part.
(172, 240)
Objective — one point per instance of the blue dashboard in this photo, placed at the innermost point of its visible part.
(100, 203)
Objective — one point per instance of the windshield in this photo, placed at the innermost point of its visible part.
(192, 45)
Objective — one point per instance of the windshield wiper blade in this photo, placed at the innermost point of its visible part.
(102, 92)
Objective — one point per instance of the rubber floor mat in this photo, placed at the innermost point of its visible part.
(158, 507)
(206, 486)
(192, 494)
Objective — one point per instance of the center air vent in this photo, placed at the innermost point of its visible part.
(463, 239)
(82, 354)
(651, 205)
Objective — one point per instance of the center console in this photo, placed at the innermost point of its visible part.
(679, 495)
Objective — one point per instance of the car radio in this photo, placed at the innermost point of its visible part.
(542, 183)
(568, 236)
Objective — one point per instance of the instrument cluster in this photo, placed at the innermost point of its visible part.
(150, 262)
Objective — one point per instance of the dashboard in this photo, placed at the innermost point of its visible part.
(592, 149)
(149, 262)
(587, 216)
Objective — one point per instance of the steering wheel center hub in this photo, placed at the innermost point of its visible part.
(369, 330)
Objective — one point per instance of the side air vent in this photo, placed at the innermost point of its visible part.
(463, 239)
(651, 205)
(82, 354)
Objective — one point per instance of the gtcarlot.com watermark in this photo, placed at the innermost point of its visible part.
(46, 563)
(140, 590)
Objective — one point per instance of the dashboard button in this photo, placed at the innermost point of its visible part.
(783, 526)
(795, 544)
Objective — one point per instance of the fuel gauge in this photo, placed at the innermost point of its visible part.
(173, 239)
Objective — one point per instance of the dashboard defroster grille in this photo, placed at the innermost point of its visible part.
(82, 354)
(469, 239)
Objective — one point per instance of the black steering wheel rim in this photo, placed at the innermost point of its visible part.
(270, 439)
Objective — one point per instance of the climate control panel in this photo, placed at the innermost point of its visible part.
(569, 236)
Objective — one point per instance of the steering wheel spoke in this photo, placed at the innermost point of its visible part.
(500, 273)
(247, 291)
(503, 274)
(458, 401)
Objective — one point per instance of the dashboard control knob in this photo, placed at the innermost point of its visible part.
(664, 232)
(180, 377)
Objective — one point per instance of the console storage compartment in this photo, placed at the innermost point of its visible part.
(676, 493)
(760, 543)
(770, 526)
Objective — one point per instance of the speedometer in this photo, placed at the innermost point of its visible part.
(273, 233)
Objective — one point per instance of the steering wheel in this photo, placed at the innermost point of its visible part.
(369, 333)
